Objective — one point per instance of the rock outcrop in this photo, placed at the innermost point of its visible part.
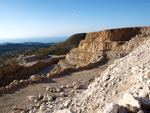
(18, 72)
(111, 43)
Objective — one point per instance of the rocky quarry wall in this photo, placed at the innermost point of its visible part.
(109, 43)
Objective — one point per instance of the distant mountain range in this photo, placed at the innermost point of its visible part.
(28, 43)
(7, 47)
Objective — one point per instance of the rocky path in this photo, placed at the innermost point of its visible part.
(18, 97)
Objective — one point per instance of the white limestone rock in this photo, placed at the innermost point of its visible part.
(111, 108)
(64, 111)
(129, 99)
(106, 77)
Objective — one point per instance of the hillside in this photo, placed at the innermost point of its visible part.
(13, 50)
(107, 73)
(7, 47)
(60, 48)
(10, 51)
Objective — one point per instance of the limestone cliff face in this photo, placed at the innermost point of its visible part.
(96, 44)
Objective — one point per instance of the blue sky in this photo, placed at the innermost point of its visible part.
(51, 18)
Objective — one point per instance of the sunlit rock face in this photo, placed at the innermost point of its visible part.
(112, 42)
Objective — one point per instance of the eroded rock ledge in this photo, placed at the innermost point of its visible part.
(22, 71)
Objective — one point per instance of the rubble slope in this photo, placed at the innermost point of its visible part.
(122, 88)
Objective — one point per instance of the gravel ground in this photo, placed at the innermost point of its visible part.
(18, 96)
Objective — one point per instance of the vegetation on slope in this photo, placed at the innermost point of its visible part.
(21, 46)
(62, 48)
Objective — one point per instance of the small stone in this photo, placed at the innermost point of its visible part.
(67, 103)
(62, 94)
(58, 90)
(38, 104)
(42, 108)
(72, 91)
(141, 78)
(61, 106)
(61, 87)
(74, 83)
(64, 111)
(15, 107)
(21, 81)
(114, 93)
(53, 90)
(35, 101)
(76, 86)
(106, 77)
(41, 96)
(31, 98)
(68, 86)
(48, 88)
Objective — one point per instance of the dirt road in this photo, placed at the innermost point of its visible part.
(18, 96)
